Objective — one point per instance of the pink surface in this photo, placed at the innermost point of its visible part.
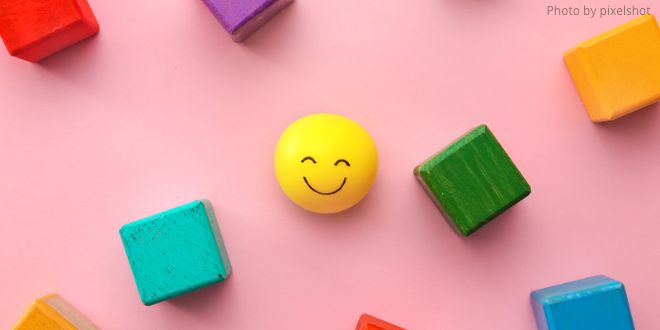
(162, 108)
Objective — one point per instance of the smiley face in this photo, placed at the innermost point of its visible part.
(325, 163)
(310, 158)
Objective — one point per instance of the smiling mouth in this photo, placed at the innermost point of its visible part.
(325, 193)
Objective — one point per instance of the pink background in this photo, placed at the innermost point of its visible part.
(162, 108)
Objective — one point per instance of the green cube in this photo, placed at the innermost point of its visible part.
(175, 252)
(472, 181)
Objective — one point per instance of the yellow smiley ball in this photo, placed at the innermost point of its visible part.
(326, 163)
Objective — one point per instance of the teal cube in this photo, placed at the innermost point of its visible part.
(594, 303)
(175, 252)
(472, 180)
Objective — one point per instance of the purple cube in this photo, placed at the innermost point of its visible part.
(242, 17)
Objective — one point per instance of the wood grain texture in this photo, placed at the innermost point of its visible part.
(53, 313)
(597, 302)
(472, 181)
(368, 322)
(618, 72)
(35, 29)
(175, 252)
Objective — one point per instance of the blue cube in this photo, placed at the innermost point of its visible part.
(594, 303)
(175, 252)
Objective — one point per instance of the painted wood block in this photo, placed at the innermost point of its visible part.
(241, 18)
(35, 29)
(53, 313)
(618, 72)
(175, 252)
(472, 180)
(594, 303)
(368, 322)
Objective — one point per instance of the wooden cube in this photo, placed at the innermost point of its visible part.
(368, 322)
(241, 18)
(53, 313)
(598, 303)
(618, 72)
(35, 29)
(472, 181)
(175, 252)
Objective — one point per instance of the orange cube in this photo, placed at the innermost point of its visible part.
(618, 72)
(368, 322)
(53, 313)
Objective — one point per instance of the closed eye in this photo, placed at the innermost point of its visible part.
(308, 158)
(342, 161)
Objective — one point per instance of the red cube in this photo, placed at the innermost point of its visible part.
(35, 29)
(368, 322)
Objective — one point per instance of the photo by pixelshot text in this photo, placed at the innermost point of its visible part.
(600, 12)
